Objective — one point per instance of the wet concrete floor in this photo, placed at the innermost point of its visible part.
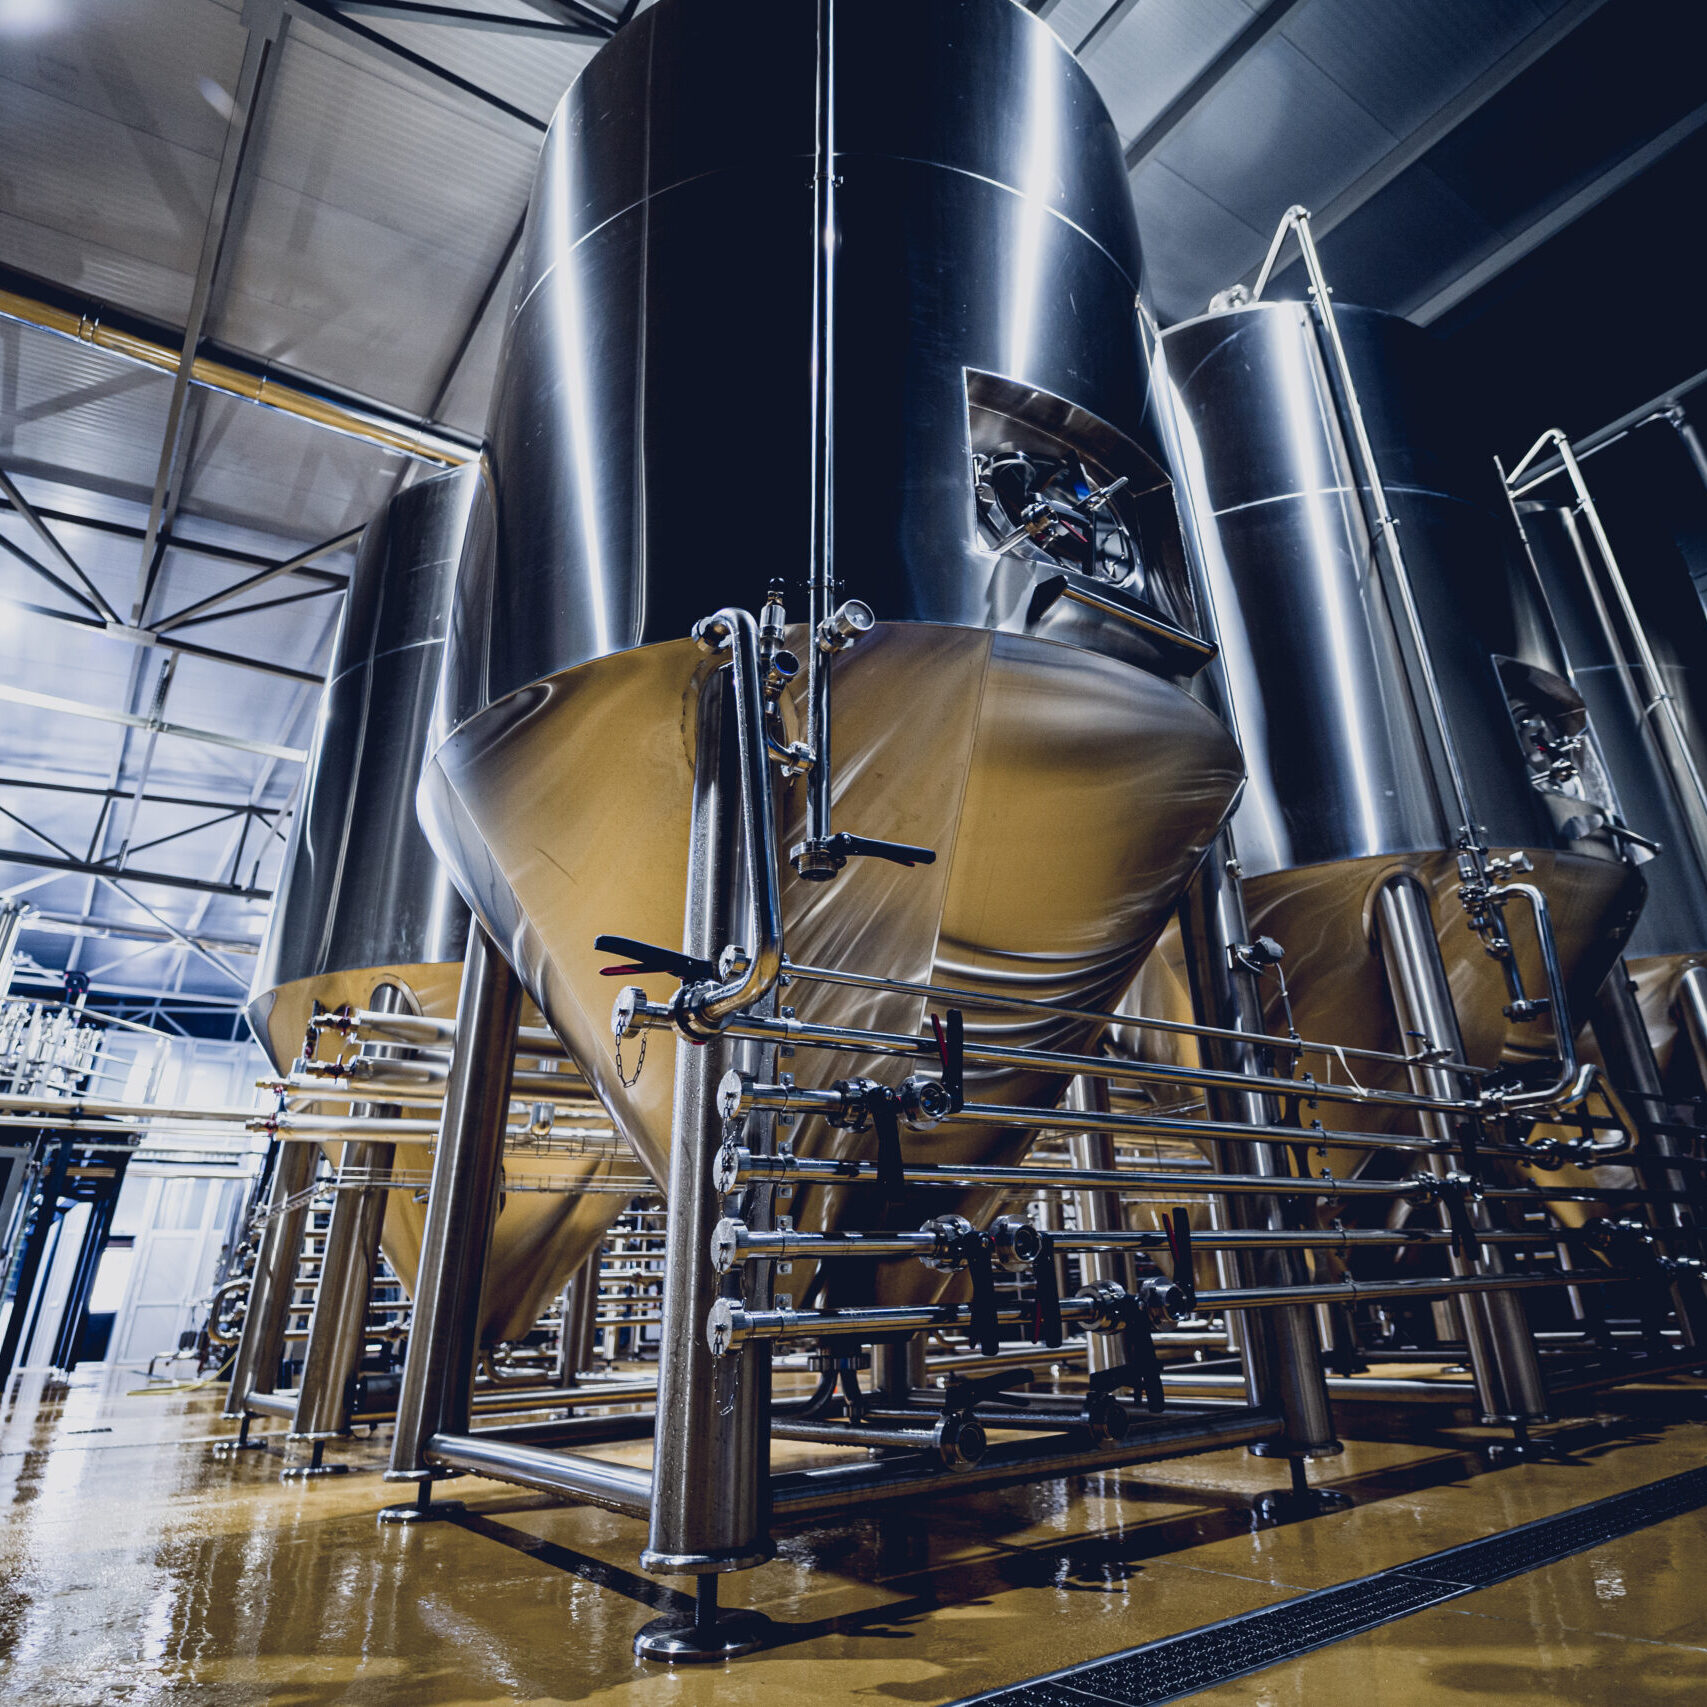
(136, 1567)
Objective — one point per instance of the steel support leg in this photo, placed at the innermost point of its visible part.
(337, 1331)
(462, 1202)
(1281, 1349)
(30, 1257)
(1503, 1360)
(711, 1463)
(577, 1316)
(261, 1344)
(1099, 1212)
(1628, 1053)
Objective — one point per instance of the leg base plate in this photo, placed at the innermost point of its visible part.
(680, 1641)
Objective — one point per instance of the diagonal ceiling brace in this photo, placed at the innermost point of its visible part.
(265, 20)
(46, 535)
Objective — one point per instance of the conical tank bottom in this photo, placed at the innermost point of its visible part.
(552, 1213)
(1068, 798)
(1324, 918)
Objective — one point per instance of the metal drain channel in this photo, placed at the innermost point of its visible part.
(1200, 1659)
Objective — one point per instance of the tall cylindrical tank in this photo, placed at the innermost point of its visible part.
(1349, 783)
(362, 901)
(850, 285)
(1614, 616)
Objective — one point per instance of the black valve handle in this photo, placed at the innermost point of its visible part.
(1142, 1370)
(984, 1331)
(849, 846)
(963, 1393)
(1464, 1242)
(646, 957)
(951, 1050)
(886, 1120)
(1046, 1323)
(1179, 1248)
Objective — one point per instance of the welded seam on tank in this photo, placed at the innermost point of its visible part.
(724, 171)
(1345, 491)
(1213, 1654)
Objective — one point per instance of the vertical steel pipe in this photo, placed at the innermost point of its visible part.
(577, 1321)
(898, 1370)
(337, 1331)
(272, 1287)
(1692, 1015)
(462, 1202)
(1509, 1383)
(1628, 1052)
(1281, 1349)
(711, 1475)
(1099, 1211)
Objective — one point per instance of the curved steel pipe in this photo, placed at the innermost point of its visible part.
(737, 630)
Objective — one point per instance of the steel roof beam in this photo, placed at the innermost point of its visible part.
(1469, 101)
(66, 924)
(169, 642)
(414, 12)
(290, 566)
(1425, 309)
(265, 24)
(133, 720)
(41, 569)
(90, 790)
(249, 610)
(48, 307)
(165, 879)
(177, 542)
(328, 15)
(1261, 26)
(45, 534)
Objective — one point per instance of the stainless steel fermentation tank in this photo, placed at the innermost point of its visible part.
(366, 915)
(1350, 783)
(1635, 634)
(835, 299)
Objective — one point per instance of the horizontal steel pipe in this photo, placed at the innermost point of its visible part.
(795, 1099)
(920, 1437)
(574, 1431)
(646, 1015)
(730, 1325)
(368, 1024)
(734, 1243)
(618, 1487)
(1373, 1387)
(815, 1492)
(985, 999)
(746, 1168)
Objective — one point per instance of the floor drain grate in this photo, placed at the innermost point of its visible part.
(1200, 1659)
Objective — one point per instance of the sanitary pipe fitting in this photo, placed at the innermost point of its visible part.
(924, 1102)
(845, 624)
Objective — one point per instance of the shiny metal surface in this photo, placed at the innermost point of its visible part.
(361, 893)
(261, 1346)
(710, 1494)
(1281, 1352)
(349, 1260)
(1099, 1211)
(438, 1375)
(363, 900)
(1041, 747)
(1496, 1332)
(1655, 788)
(1345, 785)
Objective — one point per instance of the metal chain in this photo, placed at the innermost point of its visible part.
(628, 1083)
